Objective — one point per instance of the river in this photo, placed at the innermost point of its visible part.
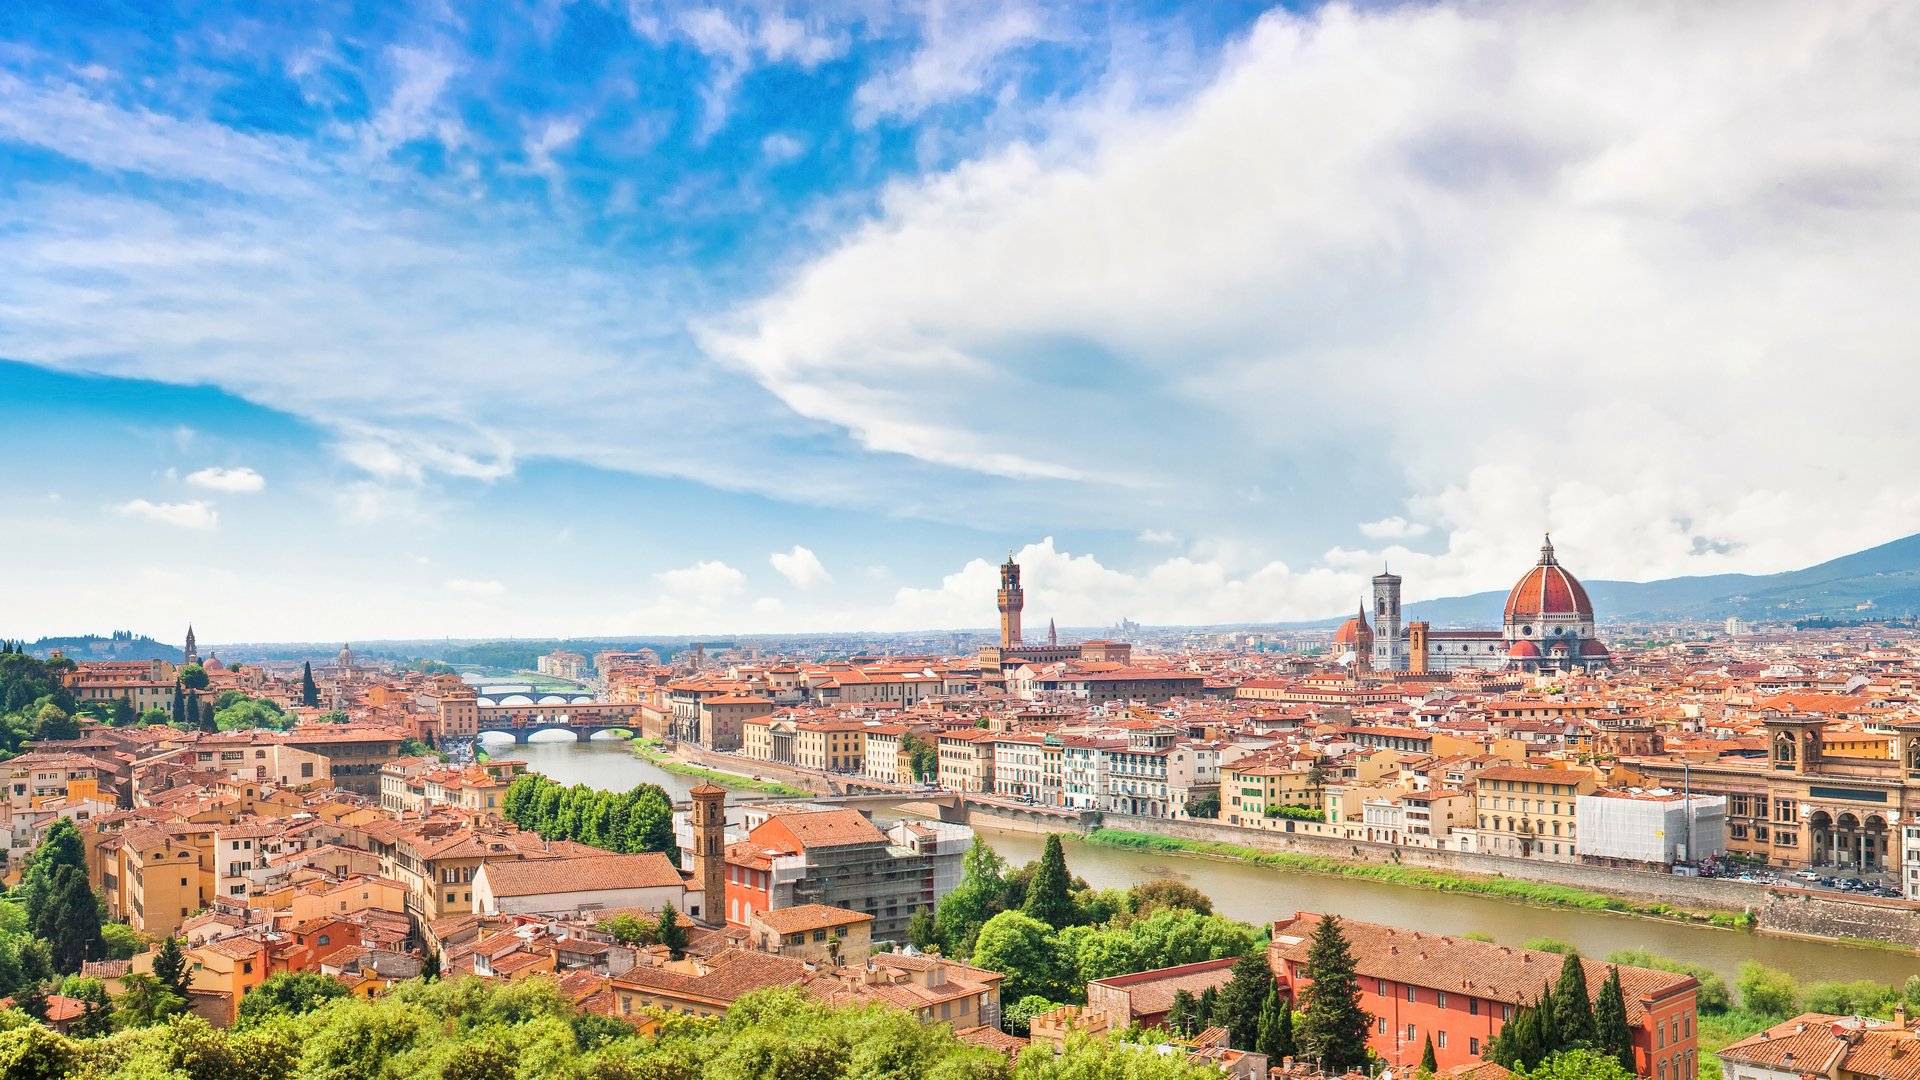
(1258, 894)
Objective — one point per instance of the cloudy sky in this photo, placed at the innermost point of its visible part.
(329, 321)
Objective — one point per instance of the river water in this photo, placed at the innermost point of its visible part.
(1258, 894)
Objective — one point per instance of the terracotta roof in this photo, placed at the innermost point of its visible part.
(796, 920)
(830, 828)
(589, 873)
(1479, 968)
(1151, 992)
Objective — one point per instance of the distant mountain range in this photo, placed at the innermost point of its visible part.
(1877, 584)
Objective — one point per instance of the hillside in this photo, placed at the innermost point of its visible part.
(120, 645)
(1886, 579)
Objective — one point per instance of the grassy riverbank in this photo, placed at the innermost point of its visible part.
(653, 752)
(1531, 892)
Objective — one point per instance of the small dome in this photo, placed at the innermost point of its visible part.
(1524, 650)
(1592, 647)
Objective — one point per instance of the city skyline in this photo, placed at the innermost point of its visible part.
(586, 321)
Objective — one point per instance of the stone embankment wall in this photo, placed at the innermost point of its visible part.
(1801, 911)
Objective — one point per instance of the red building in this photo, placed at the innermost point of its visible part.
(1459, 992)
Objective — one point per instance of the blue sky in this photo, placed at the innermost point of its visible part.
(331, 321)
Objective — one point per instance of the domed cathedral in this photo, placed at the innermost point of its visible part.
(1549, 620)
(1547, 626)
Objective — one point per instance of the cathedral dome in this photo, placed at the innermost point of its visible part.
(1524, 650)
(1354, 632)
(1547, 592)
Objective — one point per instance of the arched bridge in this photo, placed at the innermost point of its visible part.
(522, 694)
(581, 719)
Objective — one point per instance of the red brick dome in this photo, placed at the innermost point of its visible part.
(1524, 650)
(1548, 592)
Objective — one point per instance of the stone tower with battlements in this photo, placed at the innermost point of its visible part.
(1012, 599)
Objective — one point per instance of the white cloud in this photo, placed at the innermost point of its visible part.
(1158, 536)
(469, 587)
(801, 567)
(235, 481)
(1393, 528)
(198, 514)
(709, 581)
(1079, 590)
(1515, 267)
(782, 147)
(957, 56)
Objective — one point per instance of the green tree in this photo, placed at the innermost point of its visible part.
(1429, 1061)
(1207, 1008)
(1334, 1026)
(923, 932)
(288, 993)
(33, 1052)
(1275, 1038)
(1572, 1007)
(170, 966)
(978, 897)
(1245, 994)
(71, 921)
(430, 969)
(146, 999)
(1184, 1014)
(1579, 1065)
(1017, 1018)
(673, 933)
(1611, 1035)
(1552, 945)
(1048, 898)
(1205, 806)
(1021, 948)
(309, 690)
(1712, 995)
(1148, 896)
(51, 721)
(1767, 991)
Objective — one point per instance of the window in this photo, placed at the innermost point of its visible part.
(326, 939)
(1440, 1040)
(1409, 1032)
(1383, 1025)
(1473, 1046)
(1440, 998)
(1506, 1013)
(1380, 987)
(1473, 1006)
(1410, 993)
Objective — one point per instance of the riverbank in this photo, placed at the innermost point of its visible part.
(1528, 892)
(656, 755)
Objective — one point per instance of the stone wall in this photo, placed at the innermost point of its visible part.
(1799, 911)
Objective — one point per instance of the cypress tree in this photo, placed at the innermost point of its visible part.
(309, 690)
(1207, 1010)
(1180, 1014)
(1050, 897)
(170, 966)
(76, 923)
(431, 969)
(673, 933)
(1429, 1062)
(1611, 1034)
(1276, 1027)
(1238, 1007)
(1334, 1026)
(1572, 1007)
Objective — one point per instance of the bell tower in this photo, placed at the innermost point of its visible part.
(709, 820)
(1389, 648)
(1011, 600)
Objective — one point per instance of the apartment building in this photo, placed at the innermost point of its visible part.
(1530, 813)
(1458, 992)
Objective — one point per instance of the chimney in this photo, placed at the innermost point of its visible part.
(1900, 1014)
